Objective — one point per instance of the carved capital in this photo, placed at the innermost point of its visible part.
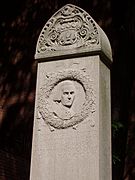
(71, 27)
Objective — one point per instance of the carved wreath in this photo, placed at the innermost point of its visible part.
(52, 80)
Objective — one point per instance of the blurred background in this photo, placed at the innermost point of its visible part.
(20, 25)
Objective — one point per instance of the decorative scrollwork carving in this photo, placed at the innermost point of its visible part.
(45, 108)
(70, 27)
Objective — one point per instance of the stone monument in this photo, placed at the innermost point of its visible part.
(72, 123)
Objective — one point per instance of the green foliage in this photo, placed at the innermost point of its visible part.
(116, 127)
(115, 159)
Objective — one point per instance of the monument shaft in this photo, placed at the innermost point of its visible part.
(72, 123)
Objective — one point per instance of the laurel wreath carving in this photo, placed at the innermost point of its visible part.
(52, 80)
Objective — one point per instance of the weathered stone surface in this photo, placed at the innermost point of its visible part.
(72, 126)
(69, 28)
(51, 108)
(71, 31)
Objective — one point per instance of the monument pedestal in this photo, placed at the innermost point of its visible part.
(72, 123)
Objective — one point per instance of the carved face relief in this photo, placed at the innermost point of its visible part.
(63, 99)
(67, 94)
(66, 99)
